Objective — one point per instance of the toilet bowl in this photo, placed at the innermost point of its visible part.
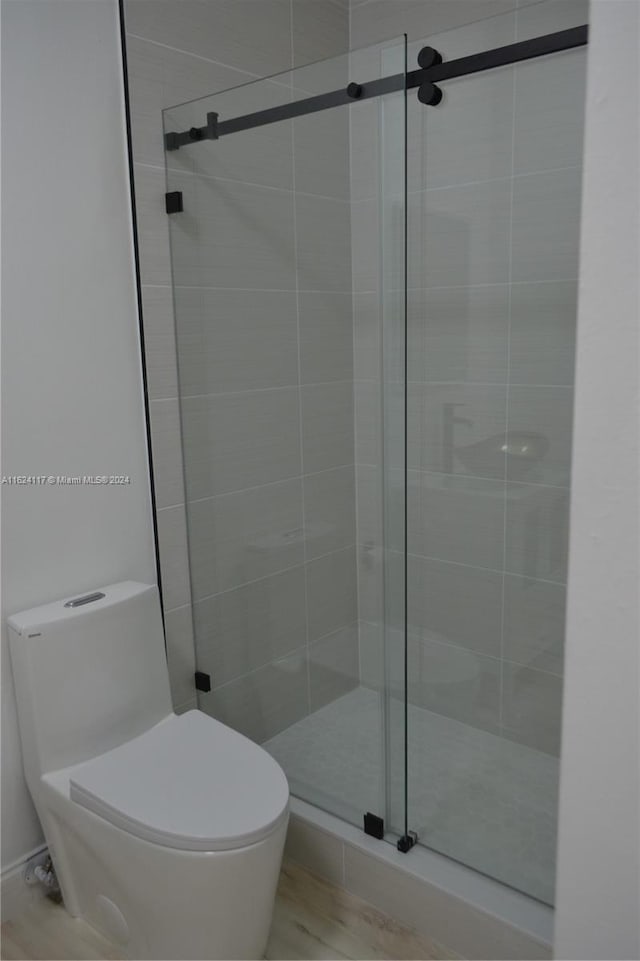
(166, 831)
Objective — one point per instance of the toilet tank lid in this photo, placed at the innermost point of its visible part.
(76, 606)
(190, 783)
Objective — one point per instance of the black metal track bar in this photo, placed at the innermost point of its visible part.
(502, 56)
(487, 60)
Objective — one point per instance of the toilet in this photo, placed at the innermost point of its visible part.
(166, 831)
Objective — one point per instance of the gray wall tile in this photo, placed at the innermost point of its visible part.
(534, 615)
(546, 225)
(459, 334)
(264, 702)
(457, 428)
(327, 426)
(323, 232)
(541, 418)
(167, 452)
(330, 511)
(543, 333)
(331, 593)
(333, 666)
(160, 76)
(379, 19)
(246, 628)
(153, 228)
(367, 244)
(456, 518)
(460, 235)
(234, 340)
(178, 625)
(320, 29)
(235, 441)
(245, 535)
(369, 486)
(160, 343)
(371, 655)
(261, 156)
(368, 406)
(174, 560)
(549, 111)
(537, 520)
(326, 337)
(243, 237)
(458, 683)
(549, 16)
(255, 33)
(321, 142)
(532, 707)
(471, 139)
(456, 604)
(367, 335)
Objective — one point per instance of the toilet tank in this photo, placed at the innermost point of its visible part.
(90, 673)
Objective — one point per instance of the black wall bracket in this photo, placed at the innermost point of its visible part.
(202, 681)
(374, 826)
(173, 202)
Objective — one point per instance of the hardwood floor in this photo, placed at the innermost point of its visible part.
(312, 920)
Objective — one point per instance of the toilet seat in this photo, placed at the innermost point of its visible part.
(190, 783)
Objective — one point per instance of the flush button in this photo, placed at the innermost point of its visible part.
(85, 599)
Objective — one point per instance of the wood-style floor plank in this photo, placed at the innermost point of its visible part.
(312, 920)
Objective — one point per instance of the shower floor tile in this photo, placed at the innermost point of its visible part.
(482, 799)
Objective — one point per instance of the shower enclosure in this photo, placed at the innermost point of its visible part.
(375, 301)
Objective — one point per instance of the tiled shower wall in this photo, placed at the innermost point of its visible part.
(493, 208)
(266, 371)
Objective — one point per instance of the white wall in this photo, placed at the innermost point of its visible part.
(71, 387)
(598, 887)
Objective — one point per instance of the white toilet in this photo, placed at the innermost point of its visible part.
(166, 831)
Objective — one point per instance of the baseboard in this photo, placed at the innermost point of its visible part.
(16, 896)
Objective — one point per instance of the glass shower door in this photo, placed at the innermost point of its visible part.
(288, 260)
(494, 211)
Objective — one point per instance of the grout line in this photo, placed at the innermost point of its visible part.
(260, 290)
(496, 384)
(284, 480)
(419, 634)
(416, 192)
(266, 577)
(264, 390)
(476, 477)
(501, 710)
(361, 293)
(283, 657)
(474, 567)
(218, 63)
(196, 175)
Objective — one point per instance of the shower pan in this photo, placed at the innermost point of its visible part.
(374, 265)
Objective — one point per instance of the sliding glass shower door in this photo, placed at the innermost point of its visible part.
(375, 306)
(494, 213)
(288, 248)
